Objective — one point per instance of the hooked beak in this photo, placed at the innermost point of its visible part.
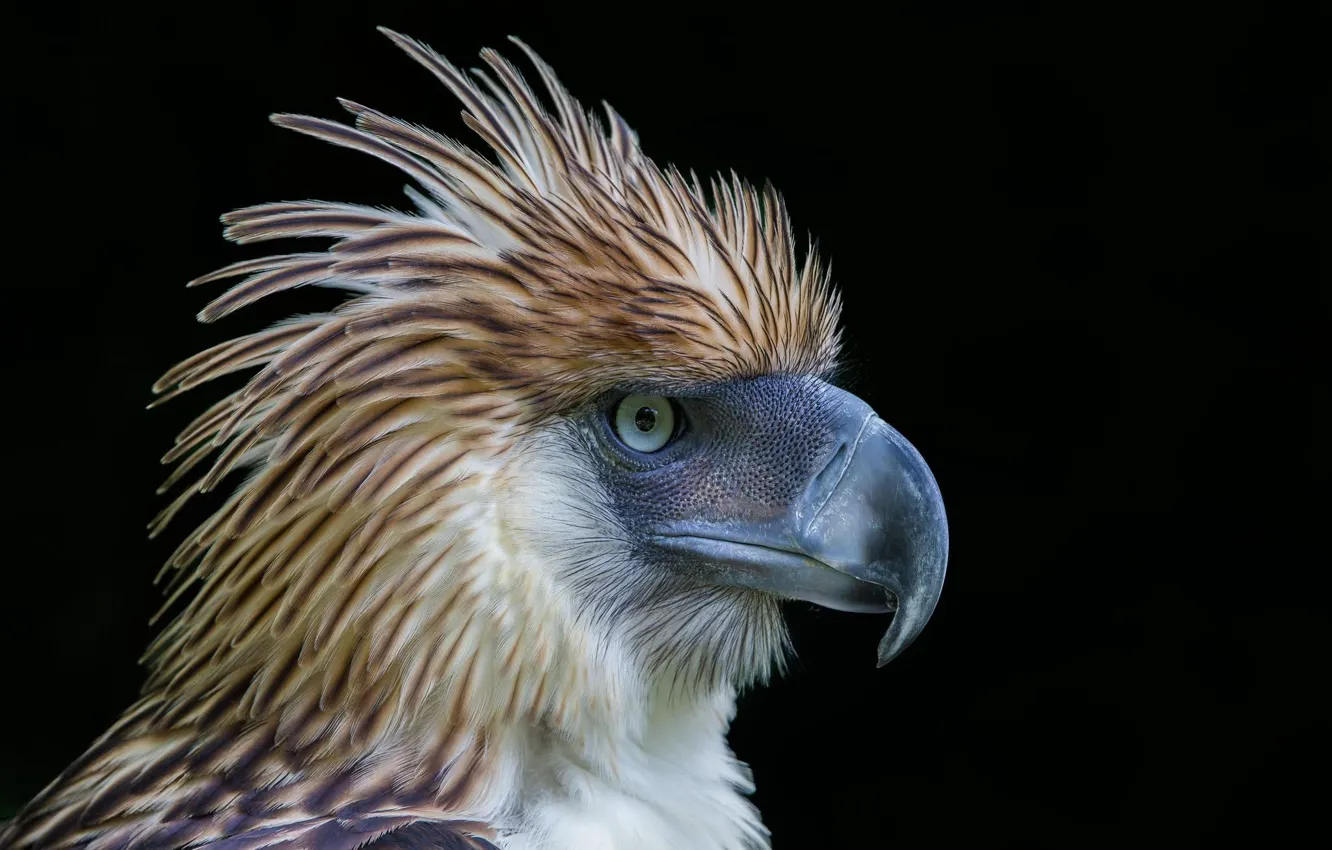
(867, 534)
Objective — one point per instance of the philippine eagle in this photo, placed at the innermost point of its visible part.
(519, 515)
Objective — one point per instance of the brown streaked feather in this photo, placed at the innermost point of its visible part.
(305, 218)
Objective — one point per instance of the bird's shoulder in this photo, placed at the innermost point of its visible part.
(431, 835)
(351, 835)
(243, 787)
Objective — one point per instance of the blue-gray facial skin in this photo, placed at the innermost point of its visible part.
(782, 484)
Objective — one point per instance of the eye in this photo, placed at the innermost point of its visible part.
(644, 423)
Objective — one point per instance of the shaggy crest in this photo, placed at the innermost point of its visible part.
(348, 585)
(516, 292)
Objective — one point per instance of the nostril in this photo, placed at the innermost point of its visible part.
(832, 471)
(822, 485)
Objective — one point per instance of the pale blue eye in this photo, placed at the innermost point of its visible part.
(645, 423)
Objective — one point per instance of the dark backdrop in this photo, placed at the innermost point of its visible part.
(1081, 262)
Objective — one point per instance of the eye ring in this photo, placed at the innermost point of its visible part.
(645, 423)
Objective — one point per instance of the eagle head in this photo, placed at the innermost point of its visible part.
(562, 454)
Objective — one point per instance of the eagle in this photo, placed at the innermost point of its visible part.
(511, 527)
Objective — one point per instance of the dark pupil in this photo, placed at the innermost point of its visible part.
(645, 419)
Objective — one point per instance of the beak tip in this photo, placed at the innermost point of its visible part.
(918, 599)
(899, 636)
(892, 644)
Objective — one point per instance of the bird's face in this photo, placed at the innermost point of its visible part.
(688, 514)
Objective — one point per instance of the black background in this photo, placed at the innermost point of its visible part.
(1081, 258)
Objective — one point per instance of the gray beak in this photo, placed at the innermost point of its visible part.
(877, 516)
(867, 533)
